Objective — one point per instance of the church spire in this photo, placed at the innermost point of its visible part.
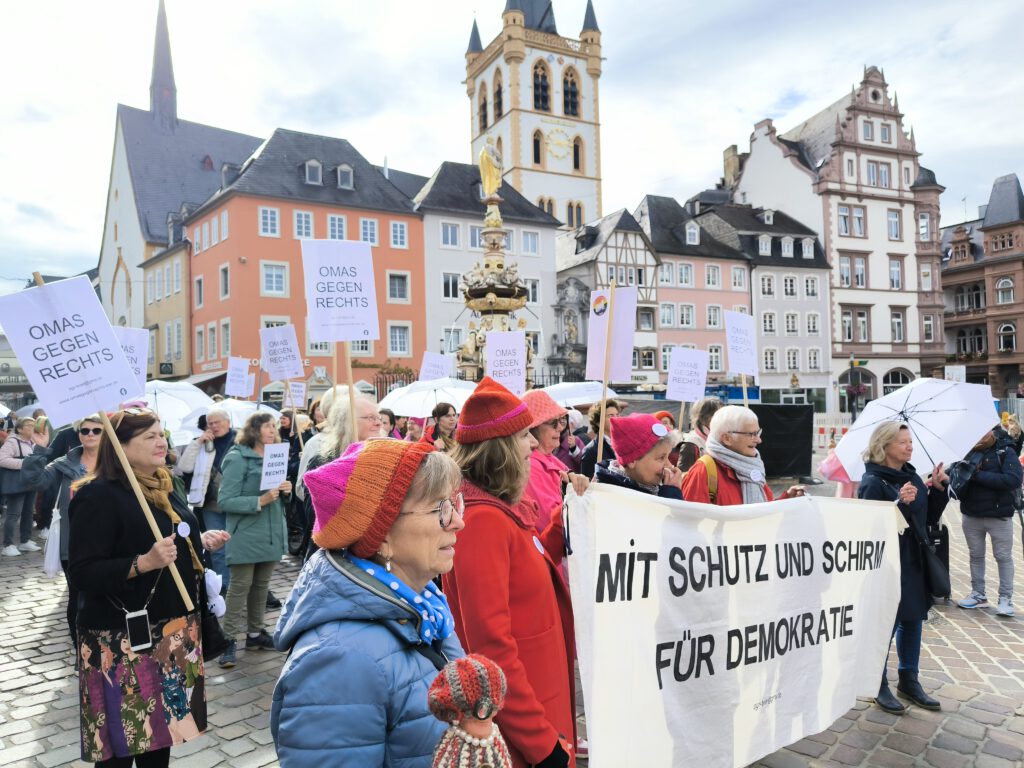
(163, 95)
(590, 19)
(475, 45)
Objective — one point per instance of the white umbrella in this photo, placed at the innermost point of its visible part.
(26, 410)
(238, 410)
(174, 401)
(946, 419)
(573, 393)
(419, 398)
(4, 410)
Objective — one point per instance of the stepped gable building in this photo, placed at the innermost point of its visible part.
(983, 280)
(159, 163)
(852, 174)
(535, 94)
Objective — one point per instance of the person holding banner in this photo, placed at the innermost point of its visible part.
(889, 476)
(509, 601)
(731, 472)
(441, 435)
(258, 534)
(605, 410)
(140, 690)
(642, 445)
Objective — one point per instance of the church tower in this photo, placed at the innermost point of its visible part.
(536, 94)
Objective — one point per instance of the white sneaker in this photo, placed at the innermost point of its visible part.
(10, 551)
(29, 546)
(43, 534)
(1005, 607)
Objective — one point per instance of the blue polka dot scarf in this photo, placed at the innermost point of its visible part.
(432, 605)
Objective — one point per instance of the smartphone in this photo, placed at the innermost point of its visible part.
(139, 634)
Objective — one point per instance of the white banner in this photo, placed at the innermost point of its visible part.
(281, 357)
(714, 635)
(135, 345)
(250, 384)
(620, 367)
(741, 342)
(295, 395)
(237, 382)
(275, 465)
(67, 349)
(341, 297)
(687, 374)
(435, 366)
(506, 359)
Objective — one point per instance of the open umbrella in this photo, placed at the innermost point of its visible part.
(238, 410)
(174, 401)
(572, 393)
(946, 419)
(4, 410)
(419, 398)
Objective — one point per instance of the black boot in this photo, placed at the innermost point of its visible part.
(887, 701)
(272, 602)
(911, 689)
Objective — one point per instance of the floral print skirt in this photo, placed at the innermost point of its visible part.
(134, 702)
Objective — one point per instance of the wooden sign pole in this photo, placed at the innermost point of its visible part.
(604, 378)
(682, 416)
(743, 381)
(346, 353)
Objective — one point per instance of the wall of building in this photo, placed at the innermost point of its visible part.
(168, 306)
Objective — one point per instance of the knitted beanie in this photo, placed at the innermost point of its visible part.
(633, 436)
(358, 496)
(542, 406)
(491, 411)
(665, 415)
(473, 685)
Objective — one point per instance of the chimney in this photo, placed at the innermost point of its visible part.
(731, 166)
(228, 173)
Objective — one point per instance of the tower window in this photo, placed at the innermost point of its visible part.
(570, 214)
(499, 108)
(570, 94)
(577, 154)
(541, 88)
(538, 148)
(483, 108)
(579, 214)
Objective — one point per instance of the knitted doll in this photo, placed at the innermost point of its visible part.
(468, 693)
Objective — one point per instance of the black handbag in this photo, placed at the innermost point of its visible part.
(936, 572)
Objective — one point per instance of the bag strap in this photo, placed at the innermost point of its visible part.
(712, 470)
(434, 655)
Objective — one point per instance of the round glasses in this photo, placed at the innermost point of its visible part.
(561, 421)
(445, 511)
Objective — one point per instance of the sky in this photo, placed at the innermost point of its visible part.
(681, 82)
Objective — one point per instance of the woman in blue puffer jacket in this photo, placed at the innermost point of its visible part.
(366, 628)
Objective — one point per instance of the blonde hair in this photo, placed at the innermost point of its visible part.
(883, 436)
(336, 434)
(495, 466)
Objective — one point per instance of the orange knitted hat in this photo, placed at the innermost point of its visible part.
(491, 411)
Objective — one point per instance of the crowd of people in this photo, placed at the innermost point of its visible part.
(399, 648)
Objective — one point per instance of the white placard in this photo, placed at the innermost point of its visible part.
(740, 629)
(741, 342)
(687, 374)
(275, 465)
(281, 357)
(506, 359)
(341, 297)
(250, 384)
(435, 366)
(295, 395)
(620, 367)
(956, 373)
(67, 349)
(237, 382)
(135, 345)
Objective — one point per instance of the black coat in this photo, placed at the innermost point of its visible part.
(107, 530)
(589, 460)
(605, 475)
(883, 483)
(989, 493)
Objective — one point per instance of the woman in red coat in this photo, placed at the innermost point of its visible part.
(505, 593)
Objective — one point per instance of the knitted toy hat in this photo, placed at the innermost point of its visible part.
(358, 496)
(491, 411)
(473, 685)
(542, 406)
(633, 436)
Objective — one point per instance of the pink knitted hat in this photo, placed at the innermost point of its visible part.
(633, 436)
(542, 406)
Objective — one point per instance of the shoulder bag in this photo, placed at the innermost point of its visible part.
(936, 573)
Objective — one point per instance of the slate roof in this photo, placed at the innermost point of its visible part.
(925, 178)
(816, 134)
(167, 164)
(664, 221)
(590, 18)
(539, 14)
(277, 169)
(1005, 203)
(475, 45)
(593, 236)
(744, 226)
(455, 188)
(408, 183)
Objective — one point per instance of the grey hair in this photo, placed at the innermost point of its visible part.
(327, 398)
(729, 418)
(438, 477)
(337, 432)
(218, 413)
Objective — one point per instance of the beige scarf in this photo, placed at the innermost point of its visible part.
(156, 489)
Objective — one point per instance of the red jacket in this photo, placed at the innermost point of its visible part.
(730, 492)
(510, 605)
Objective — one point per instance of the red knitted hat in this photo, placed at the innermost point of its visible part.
(633, 436)
(473, 685)
(491, 411)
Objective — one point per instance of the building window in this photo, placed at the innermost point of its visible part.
(686, 275)
(929, 328)
(886, 132)
(499, 103)
(399, 340)
(813, 323)
(541, 88)
(214, 230)
(531, 243)
(895, 275)
(224, 281)
(859, 227)
(862, 325)
(739, 278)
(168, 343)
(768, 323)
(849, 167)
(1007, 337)
(714, 316)
(647, 359)
(368, 231)
(532, 290)
(225, 337)
(686, 316)
(570, 94)
(897, 326)
(268, 222)
(570, 214)
(361, 348)
(150, 288)
(399, 234)
(924, 227)
(808, 249)
(666, 271)
(303, 225)
(398, 287)
(223, 225)
(1004, 291)
(274, 279)
(451, 340)
(178, 340)
(450, 285)
(792, 323)
(771, 359)
(767, 285)
(314, 173)
(715, 358)
(893, 380)
(844, 271)
(906, 175)
(177, 275)
(153, 337)
(764, 245)
(792, 359)
(713, 276)
(645, 319)
(577, 154)
(860, 275)
(813, 360)
(538, 148)
(787, 246)
(449, 235)
(636, 359)
(167, 281)
(335, 227)
(668, 315)
(847, 324)
(666, 356)
(1002, 242)
(869, 131)
(200, 346)
(893, 219)
(811, 287)
(692, 234)
(211, 341)
(844, 219)
(482, 110)
(789, 287)
(197, 240)
(884, 172)
(926, 277)
(198, 296)
(346, 177)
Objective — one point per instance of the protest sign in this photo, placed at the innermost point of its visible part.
(135, 345)
(956, 373)
(506, 359)
(295, 395)
(341, 297)
(67, 349)
(436, 366)
(738, 630)
(237, 382)
(250, 384)
(275, 465)
(741, 342)
(281, 352)
(687, 374)
(620, 365)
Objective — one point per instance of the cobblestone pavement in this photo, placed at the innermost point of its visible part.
(972, 661)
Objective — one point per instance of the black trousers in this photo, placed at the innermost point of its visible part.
(158, 758)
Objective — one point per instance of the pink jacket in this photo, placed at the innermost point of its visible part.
(10, 455)
(545, 486)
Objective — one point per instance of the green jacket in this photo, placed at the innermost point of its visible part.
(257, 535)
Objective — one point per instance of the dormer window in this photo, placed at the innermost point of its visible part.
(692, 234)
(769, 217)
(808, 246)
(346, 179)
(787, 246)
(314, 172)
(764, 245)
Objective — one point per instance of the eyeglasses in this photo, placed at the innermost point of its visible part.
(751, 435)
(447, 508)
(561, 421)
(90, 430)
(372, 419)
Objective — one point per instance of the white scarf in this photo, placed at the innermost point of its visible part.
(749, 470)
(200, 477)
